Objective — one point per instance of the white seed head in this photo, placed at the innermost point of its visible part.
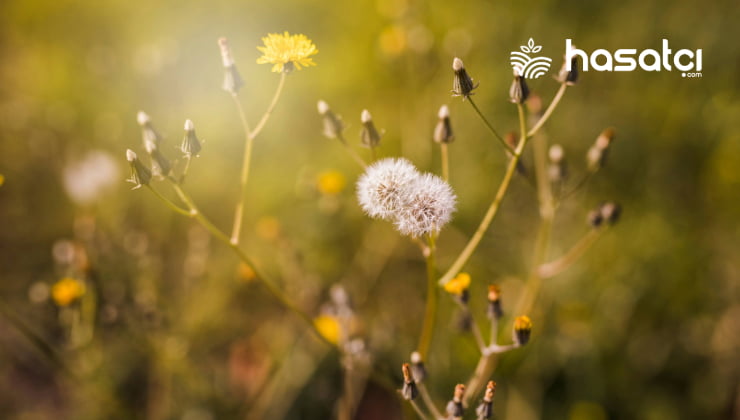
(365, 117)
(130, 155)
(427, 206)
(556, 153)
(142, 118)
(384, 185)
(323, 107)
(189, 126)
(444, 112)
(457, 64)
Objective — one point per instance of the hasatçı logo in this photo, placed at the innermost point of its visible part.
(529, 67)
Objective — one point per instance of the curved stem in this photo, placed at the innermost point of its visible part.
(246, 163)
(445, 161)
(555, 100)
(424, 392)
(352, 152)
(427, 329)
(169, 203)
(418, 410)
(270, 286)
(472, 244)
(490, 127)
(556, 267)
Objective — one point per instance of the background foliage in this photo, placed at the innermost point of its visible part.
(645, 326)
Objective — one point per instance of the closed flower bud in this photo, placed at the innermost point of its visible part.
(611, 211)
(463, 83)
(148, 133)
(522, 330)
(568, 77)
(369, 134)
(333, 125)
(597, 154)
(161, 166)
(519, 92)
(558, 169)
(494, 311)
(190, 145)
(409, 390)
(417, 367)
(140, 174)
(485, 409)
(455, 407)
(443, 129)
(595, 219)
(232, 79)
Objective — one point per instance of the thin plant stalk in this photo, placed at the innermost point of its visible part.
(418, 410)
(490, 127)
(556, 267)
(274, 290)
(443, 147)
(352, 152)
(543, 119)
(424, 392)
(430, 314)
(472, 244)
(246, 163)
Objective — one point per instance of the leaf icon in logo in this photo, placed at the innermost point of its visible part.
(537, 49)
(530, 44)
(524, 48)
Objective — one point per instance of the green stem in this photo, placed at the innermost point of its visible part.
(472, 244)
(427, 329)
(490, 127)
(424, 392)
(169, 203)
(246, 163)
(445, 161)
(555, 100)
(556, 267)
(270, 286)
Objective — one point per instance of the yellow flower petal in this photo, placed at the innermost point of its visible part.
(287, 51)
(66, 291)
(328, 327)
(331, 182)
(458, 285)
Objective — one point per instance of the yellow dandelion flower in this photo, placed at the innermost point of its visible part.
(458, 285)
(330, 182)
(66, 291)
(522, 323)
(287, 52)
(328, 327)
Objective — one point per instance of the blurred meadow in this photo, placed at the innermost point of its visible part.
(170, 324)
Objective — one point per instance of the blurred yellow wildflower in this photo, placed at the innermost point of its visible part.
(2, 180)
(268, 228)
(287, 52)
(66, 291)
(331, 182)
(522, 323)
(246, 273)
(458, 285)
(328, 327)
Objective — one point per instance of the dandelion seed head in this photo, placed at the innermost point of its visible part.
(427, 207)
(381, 190)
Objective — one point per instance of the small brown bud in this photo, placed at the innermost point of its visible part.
(519, 92)
(522, 330)
(462, 84)
(443, 129)
(369, 134)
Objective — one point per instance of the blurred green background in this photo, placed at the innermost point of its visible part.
(645, 326)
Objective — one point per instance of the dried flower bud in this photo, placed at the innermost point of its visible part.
(519, 92)
(494, 311)
(595, 219)
(418, 369)
(409, 390)
(463, 83)
(568, 77)
(443, 129)
(161, 166)
(369, 134)
(611, 211)
(455, 407)
(190, 144)
(522, 330)
(534, 105)
(485, 409)
(232, 79)
(333, 125)
(140, 174)
(597, 154)
(148, 133)
(557, 171)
